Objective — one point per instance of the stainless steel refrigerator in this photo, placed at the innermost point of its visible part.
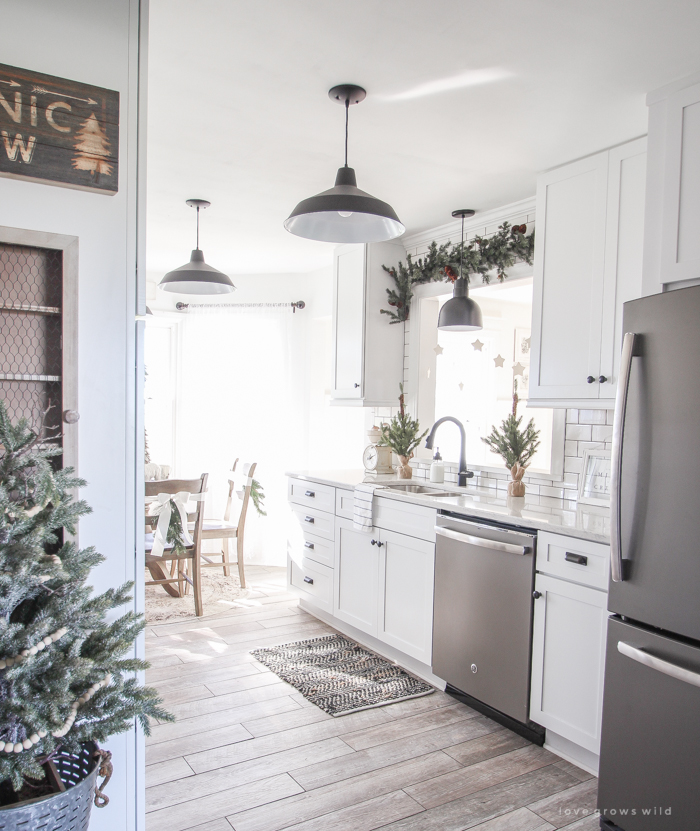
(650, 749)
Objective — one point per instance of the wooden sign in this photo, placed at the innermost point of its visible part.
(58, 131)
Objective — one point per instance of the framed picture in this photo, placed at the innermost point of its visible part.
(594, 484)
(521, 350)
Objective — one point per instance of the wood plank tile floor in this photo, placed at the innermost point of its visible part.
(249, 753)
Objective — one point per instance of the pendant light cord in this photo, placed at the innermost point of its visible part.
(461, 250)
(347, 110)
(198, 227)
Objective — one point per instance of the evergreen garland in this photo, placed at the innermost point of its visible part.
(480, 255)
(257, 494)
(78, 676)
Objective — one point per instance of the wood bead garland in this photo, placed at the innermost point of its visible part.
(32, 650)
(35, 738)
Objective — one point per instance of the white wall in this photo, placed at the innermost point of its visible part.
(96, 43)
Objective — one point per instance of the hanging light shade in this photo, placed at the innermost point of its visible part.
(196, 277)
(345, 213)
(461, 313)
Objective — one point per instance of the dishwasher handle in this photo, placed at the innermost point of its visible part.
(508, 547)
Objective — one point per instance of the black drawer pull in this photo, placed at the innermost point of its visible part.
(311, 494)
(309, 580)
(579, 559)
(309, 519)
(309, 545)
(377, 543)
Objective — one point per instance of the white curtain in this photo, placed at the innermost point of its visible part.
(243, 393)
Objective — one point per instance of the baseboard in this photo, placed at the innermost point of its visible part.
(574, 753)
(405, 661)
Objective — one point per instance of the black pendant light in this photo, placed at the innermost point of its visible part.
(196, 277)
(345, 213)
(461, 313)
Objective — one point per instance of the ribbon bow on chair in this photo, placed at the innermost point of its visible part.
(161, 507)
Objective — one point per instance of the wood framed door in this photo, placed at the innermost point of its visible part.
(39, 332)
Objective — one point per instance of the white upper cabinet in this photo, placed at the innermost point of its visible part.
(367, 349)
(672, 244)
(588, 262)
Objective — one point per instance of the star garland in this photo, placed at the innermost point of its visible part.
(481, 255)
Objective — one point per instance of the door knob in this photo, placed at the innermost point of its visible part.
(602, 379)
(590, 379)
(71, 416)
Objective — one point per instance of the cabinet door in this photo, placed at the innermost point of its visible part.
(406, 571)
(568, 658)
(624, 245)
(568, 280)
(680, 241)
(356, 577)
(348, 321)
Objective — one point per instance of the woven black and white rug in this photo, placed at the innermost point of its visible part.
(339, 676)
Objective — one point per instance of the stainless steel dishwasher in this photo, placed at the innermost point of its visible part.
(482, 619)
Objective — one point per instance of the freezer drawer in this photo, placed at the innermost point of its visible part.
(651, 731)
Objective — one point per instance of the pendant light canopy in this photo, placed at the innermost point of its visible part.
(345, 213)
(196, 277)
(461, 313)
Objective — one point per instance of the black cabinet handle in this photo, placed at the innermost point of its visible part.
(309, 545)
(377, 543)
(602, 379)
(356, 386)
(309, 519)
(309, 580)
(590, 379)
(579, 559)
(311, 494)
(537, 594)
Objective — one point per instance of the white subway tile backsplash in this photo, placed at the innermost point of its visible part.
(573, 464)
(570, 448)
(610, 416)
(557, 493)
(602, 432)
(572, 416)
(578, 432)
(591, 416)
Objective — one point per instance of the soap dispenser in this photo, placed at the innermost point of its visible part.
(437, 468)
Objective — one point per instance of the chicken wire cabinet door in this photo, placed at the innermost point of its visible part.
(38, 327)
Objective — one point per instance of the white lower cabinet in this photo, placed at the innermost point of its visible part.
(568, 659)
(383, 585)
(356, 577)
(406, 572)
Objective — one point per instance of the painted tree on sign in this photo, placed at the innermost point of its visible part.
(92, 145)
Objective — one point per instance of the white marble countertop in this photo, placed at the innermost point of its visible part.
(543, 513)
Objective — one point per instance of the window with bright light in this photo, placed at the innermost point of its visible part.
(473, 376)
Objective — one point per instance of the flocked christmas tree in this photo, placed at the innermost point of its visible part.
(64, 677)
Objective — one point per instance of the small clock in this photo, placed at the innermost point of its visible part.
(377, 459)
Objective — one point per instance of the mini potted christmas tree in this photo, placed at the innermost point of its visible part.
(401, 435)
(515, 446)
(65, 683)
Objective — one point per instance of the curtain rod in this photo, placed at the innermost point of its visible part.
(183, 307)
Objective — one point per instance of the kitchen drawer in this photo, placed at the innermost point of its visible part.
(314, 548)
(580, 561)
(311, 495)
(313, 521)
(344, 501)
(404, 518)
(311, 581)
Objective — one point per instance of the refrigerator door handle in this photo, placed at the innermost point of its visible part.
(628, 350)
(651, 661)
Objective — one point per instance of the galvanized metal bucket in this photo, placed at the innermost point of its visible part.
(68, 810)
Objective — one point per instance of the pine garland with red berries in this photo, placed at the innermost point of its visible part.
(480, 255)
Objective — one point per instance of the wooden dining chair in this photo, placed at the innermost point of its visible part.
(179, 572)
(226, 529)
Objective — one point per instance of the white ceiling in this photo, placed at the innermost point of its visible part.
(466, 102)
